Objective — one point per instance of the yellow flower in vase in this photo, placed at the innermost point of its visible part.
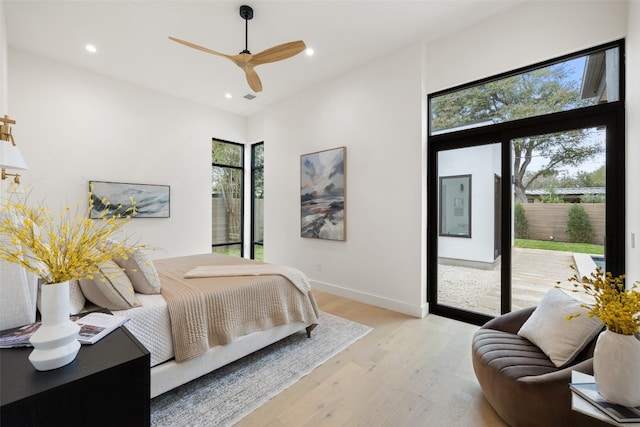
(615, 305)
(59, 249)
(69, 247)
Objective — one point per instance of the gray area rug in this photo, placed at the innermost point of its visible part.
(228, 394)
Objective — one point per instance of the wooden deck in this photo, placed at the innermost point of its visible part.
(534, 271)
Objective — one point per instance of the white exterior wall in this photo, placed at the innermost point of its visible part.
(482, 163)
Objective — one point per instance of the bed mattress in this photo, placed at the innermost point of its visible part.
(151, 325)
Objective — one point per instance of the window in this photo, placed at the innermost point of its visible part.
(455, 206)
(568, 84)
(257, 201)
(227, 171)
(533, 142)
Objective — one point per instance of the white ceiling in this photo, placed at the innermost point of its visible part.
(133, 45)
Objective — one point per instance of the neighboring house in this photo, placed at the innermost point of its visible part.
(568, 195)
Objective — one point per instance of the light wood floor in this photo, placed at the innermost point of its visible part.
(406, 372)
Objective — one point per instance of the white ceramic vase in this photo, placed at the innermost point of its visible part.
(616, 368)
(55, 343)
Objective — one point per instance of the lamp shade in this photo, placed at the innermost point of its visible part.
(10, 157)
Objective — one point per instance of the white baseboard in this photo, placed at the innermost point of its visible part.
(375, 300)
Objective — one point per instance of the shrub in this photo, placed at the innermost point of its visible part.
(592, 198)
(579, 227)
(520, 222)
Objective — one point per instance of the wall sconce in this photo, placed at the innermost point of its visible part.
(10, 157)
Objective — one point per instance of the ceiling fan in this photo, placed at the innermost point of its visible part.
(248, 61)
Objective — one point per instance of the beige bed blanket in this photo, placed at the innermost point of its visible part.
(211, 311)
(296, 277)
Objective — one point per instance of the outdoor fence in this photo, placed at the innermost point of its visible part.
(226, 229)
(549, 220)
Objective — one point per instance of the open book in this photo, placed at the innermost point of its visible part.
(622, 414)
(93, 327)
(96, 325)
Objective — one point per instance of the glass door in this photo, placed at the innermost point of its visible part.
(499, 243)
(469, 229)
(559, 213)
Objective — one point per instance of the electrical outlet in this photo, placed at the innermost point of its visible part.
(633, 240)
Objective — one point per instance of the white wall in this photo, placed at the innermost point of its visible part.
(376, 112)
(4, 106)
(633, 142)
(523, 35)
(74, 126)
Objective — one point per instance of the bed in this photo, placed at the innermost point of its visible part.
(211, 310)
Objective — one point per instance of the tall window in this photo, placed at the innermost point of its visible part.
(257, 201)
(227, 171)
(544, 150)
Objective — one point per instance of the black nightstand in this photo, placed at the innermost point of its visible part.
(108, 384)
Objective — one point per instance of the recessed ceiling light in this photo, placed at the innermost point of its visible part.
(309, 51)
(90, 48)
(228, 95)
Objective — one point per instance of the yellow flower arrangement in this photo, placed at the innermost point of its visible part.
(615, 305)
(71, 248)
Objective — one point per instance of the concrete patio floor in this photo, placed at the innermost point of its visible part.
(534, 271)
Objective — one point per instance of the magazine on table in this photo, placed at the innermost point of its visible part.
(96, 325)
(93, 327)
(620, 413)
(18, 337)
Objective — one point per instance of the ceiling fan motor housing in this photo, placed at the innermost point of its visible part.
(246, 12)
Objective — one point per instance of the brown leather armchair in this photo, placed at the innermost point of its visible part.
(520, 382)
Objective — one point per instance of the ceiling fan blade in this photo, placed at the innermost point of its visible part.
(278, 53)
(252, 78)
(198, 47)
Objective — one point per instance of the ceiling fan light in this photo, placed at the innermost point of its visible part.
(309, 51)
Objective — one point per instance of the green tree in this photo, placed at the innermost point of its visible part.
(521, 224)
(596, 178)
(579, 227)
(551, 197)
(529, 94)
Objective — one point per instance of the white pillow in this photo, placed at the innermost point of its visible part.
(110, 288)
(548, 328)
(141, 271)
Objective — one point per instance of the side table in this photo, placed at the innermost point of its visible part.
(581, 405)
(108, 384)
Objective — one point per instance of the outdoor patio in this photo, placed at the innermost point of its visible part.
(534, 272)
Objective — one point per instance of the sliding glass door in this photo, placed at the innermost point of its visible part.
(468, 263)
(525, 184)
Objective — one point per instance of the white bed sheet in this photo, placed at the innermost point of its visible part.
(150, 324)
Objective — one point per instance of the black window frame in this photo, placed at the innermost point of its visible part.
(254, 168)
(611, 114)
(240, 168)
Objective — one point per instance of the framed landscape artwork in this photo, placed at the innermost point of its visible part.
(322, 194)
(152, 201)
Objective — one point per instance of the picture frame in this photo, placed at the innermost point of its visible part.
(151, 201)
(323, 194)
